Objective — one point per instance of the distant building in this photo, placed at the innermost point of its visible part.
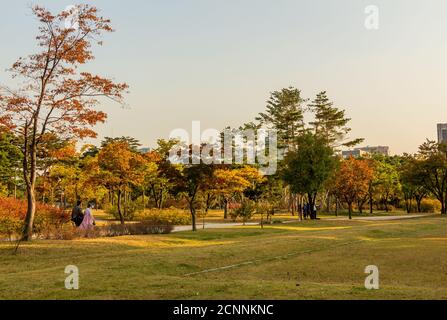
(144, 150)
(383, 150)
(354, 153)
(366, 151)
(442, 132)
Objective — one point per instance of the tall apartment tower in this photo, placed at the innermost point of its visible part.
(442, 132)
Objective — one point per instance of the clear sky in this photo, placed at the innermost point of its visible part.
(216, 62)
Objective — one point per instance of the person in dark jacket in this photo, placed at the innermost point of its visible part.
(306, 210)
(76, 214)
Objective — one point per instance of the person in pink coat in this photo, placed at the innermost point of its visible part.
(89, 221)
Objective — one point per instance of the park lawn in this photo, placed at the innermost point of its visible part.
(304, 260)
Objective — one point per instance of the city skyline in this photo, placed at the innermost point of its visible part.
(217, 65)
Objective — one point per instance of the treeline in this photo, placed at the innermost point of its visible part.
(118, 177)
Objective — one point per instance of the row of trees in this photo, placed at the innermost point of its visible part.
(118, 174)
(54, 105)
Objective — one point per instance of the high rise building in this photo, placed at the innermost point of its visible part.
(442, 132)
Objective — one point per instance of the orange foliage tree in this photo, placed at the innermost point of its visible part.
(352, 180)
(55, 96)
(120, 166)
(230, 182)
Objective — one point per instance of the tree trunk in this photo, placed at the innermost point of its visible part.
(30, 213)
(418, 203)
(225, 208)
(336, 207)
(292, 203)
(160, 200)
(313, 213)
(350, 210)
(30, 188)
(119, 207)
(193, 215)
(300, 208)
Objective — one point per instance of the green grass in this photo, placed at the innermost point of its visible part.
(307, 260)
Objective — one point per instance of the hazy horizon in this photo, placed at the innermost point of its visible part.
(217, 62)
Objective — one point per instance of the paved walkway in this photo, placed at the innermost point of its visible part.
(214, 225)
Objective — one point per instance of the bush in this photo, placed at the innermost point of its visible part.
(13, 212)
(266, 208)
(171, 216)
(246, 210)
(430, 206)
(69, 232)
(128, 210)
(140, 228)
(10, 226)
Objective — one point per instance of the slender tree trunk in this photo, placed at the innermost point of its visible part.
(208, 202)
(193, 215)
(419, 203)
(160, 205)
(30, 189)
(225, 208)
(350, 210)
(119, 207)
(292, 203)
(30, 213)
(336, 206)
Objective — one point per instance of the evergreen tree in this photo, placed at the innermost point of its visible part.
(331, 122)
(285, 114)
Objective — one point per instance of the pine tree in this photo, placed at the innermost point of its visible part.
(285, 114)
(331, 122)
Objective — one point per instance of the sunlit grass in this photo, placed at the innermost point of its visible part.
(305, 260)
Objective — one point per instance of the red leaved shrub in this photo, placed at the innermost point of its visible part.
(13, 212)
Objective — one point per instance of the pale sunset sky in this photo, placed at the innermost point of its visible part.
(217, 62)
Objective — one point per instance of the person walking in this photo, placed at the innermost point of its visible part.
(89, 221)
(76, 214)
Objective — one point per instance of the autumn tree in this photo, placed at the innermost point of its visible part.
(352, 180)
(228, 183)
(190, 181)
(160, 185)
(55, 95)
(121, 167)
(133, 143)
